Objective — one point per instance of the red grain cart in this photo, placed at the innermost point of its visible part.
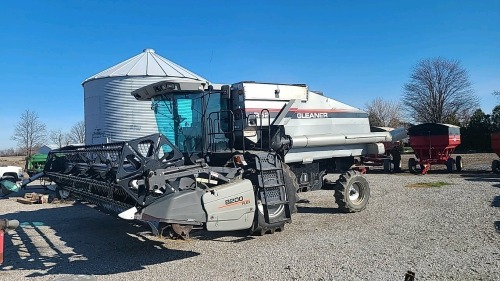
(434, 143)
(495, 145)
(390, 160)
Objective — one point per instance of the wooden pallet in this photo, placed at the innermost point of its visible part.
(34, 198)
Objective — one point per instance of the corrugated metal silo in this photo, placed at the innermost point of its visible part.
(111, 112)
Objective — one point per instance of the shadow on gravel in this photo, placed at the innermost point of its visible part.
(483, 177)
(496, 203)
(318, 210)
(224, 236)
(76, 239)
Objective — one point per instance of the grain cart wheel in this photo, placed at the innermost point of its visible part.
(387, 165)
(396, 160)
(495, 166)
(352, 192)
(458, 163)
(412, 165)
(449, 164)
(291, 187)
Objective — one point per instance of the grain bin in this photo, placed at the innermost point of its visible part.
(111, 112)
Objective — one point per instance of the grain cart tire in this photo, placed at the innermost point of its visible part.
(495, 166)
(449, 165)
(387, 165)
(396, 160)
(458, 163)
(352, 192)
(412, 165)
(291, 187)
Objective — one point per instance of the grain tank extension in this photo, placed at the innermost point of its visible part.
(225, 158)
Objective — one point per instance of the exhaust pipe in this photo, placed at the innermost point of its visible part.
(4, 226)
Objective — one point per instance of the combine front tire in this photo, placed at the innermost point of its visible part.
(495, 166)
(352, 192)
(276, 213)
(292, 186)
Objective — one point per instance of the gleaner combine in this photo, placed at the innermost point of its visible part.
(225, 159)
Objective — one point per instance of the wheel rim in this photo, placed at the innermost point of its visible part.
(355, 195)
(273, 211)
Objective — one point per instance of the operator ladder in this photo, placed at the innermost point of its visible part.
(272, 188)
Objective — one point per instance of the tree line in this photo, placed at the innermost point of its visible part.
(31, 133)
(439, 91)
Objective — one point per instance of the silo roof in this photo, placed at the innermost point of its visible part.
(147, 63)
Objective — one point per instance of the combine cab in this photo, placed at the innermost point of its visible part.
(224, 159)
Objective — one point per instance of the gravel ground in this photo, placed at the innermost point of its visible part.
(450, 232)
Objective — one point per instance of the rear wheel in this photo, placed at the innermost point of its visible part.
(458, 163)
(352, 192)
(495, 166)
(449, 164)
(412, 165)
(387, 165)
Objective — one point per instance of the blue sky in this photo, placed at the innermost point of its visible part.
(353, 51)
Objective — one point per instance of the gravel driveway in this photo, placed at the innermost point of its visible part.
(450, 232)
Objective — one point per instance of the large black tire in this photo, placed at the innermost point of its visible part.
(396, 160)
(352, 192)
(495, 166)
(291, 187)
(458, 163)
(412, 165)
(260, 226)
(450, 163)
(387, 165)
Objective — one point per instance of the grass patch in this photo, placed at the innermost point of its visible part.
(428, 184)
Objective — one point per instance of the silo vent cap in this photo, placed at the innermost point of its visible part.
(148, 50)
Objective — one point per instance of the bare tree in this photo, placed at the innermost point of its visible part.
(59, 138)
(77, 133)
(439, 90)
(29, 132)
(384, 113)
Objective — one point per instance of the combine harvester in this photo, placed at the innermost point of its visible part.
(225, 159)
(434, 143)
